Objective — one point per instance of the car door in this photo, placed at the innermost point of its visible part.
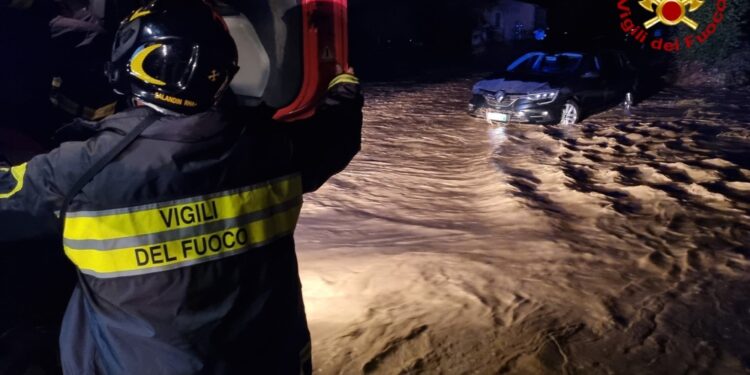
(588, 86)
(611, 67)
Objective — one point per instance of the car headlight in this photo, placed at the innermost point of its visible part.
(543, 96)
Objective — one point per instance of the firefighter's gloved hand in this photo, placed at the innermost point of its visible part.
(345, 88)
(332, 137)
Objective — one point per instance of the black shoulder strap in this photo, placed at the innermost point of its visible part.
(101, 163)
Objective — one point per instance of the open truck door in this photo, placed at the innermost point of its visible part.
(288, 52)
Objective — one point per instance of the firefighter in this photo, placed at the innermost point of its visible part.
(43, 88)
(25, 70)
(178, 217)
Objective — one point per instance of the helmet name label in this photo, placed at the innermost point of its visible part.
(174, 100)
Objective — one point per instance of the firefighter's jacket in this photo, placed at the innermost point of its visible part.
(183, 243)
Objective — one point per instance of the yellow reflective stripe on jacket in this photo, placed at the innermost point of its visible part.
(18, 173)
(184, 252)
(162, 236)
(343, 78)
(150, 219)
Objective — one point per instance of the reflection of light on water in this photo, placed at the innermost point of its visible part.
(327, 302)
(497, 135)
(317, 293)
(579, 228)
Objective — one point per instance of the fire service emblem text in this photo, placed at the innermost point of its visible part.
(670, 13)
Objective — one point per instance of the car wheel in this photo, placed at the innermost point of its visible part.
(571, 113)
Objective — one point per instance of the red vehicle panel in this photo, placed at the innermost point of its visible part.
(325, 44)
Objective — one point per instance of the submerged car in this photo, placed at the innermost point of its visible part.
(561, 88)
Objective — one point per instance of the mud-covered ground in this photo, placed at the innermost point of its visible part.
(618, 246)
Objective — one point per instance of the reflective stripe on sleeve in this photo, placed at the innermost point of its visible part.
(155, 238)
(343, 78)
(18, 173)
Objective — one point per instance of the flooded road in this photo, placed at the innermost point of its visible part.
(618, 246)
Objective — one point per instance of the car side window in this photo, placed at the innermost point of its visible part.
(528, 64)
(525, 63)
(590, 64)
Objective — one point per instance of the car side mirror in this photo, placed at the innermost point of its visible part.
(591, 74)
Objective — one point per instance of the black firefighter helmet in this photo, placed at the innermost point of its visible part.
(176, 54)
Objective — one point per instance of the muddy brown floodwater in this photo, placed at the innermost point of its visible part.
(617, 246)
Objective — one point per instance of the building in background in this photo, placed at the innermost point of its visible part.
(508, 21)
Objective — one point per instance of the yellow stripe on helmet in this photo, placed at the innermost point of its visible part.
(136, 65)
(138, 14)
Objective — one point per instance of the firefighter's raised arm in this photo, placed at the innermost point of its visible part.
(326, 143)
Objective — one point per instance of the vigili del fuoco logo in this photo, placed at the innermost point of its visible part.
(670, 13)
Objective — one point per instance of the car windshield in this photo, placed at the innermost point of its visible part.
(543, 63)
